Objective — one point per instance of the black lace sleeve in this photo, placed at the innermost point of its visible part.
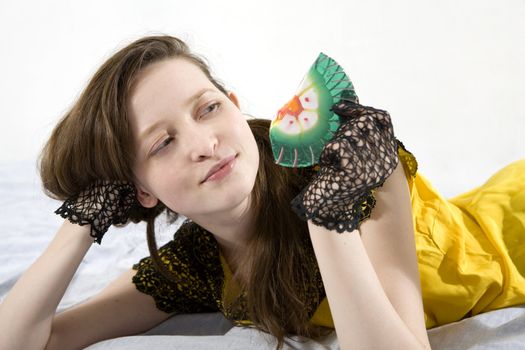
(367, 202)
(197, 282)
(409, 164)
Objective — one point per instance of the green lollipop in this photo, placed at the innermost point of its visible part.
(305, 124)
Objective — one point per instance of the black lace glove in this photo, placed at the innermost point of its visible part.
(102, 204)
(359, 158)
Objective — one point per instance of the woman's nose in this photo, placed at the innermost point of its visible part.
(202, 144)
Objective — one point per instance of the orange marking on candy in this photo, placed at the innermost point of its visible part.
(293, 108)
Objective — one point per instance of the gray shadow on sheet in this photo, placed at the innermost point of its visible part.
(497, 329)
(193, 324)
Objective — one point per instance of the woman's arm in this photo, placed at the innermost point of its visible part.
(373, 288)
(29, 307)
(27, 315)
(118, 310)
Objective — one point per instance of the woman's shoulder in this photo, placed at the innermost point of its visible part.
(195, 245)
(193, 251)
(195, 274)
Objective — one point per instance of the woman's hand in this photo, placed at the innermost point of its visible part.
(101, 205)
(360, 157)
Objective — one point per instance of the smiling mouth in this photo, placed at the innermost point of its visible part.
(221, 169)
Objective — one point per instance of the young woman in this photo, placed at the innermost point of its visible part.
(154, 131)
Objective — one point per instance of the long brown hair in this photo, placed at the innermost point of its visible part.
(93, 141)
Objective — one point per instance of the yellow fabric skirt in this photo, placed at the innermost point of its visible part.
(470, 248)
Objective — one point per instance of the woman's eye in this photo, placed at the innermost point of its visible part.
(211, 108)
(164, 143)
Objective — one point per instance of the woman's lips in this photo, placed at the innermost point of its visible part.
(221, 170)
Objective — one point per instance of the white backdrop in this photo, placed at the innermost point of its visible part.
(451, 73)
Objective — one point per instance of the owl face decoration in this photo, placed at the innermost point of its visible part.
(305, 124)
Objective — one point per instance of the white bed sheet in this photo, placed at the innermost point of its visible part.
(27, 225)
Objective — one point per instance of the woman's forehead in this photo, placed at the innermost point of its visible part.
(176, 79)
(169, 87)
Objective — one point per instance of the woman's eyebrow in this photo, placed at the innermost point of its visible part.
(198, 95)
(149, 130)
(144, 134)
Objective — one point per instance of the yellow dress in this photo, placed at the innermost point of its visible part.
(470, 249)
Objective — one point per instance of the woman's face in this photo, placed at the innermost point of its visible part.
(184, 129)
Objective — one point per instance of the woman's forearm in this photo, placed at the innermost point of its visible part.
(363, 316)
(27, 312)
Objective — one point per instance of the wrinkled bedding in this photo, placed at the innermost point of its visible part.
(27, 225)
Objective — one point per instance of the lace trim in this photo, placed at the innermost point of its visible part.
(367, 201)
(407, 158)
(101, 205)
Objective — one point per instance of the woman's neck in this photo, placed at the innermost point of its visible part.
(232, 229)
